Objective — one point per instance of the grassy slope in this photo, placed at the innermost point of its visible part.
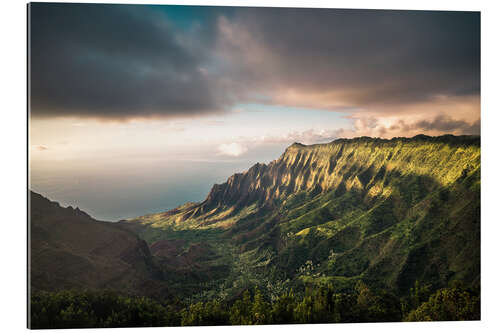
(384, 211)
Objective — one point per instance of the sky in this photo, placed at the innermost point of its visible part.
(136, 109)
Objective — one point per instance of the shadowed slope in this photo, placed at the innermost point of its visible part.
(69, 249)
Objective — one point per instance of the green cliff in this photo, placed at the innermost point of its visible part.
(386, 212)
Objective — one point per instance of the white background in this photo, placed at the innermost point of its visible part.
(13, 145)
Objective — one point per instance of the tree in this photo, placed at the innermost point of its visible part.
(261, 310)
(282, 309)
(377, 307)
(455, 303)
(240, 312)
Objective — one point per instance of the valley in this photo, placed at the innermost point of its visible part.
(385, 214)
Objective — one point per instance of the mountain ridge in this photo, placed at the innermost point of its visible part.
(239, 182)
(387, 212)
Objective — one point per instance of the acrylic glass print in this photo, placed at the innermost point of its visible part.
(235, 166)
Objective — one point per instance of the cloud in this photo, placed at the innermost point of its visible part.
(390, 127)
(447, 124)
(126, 61)
(340, 59)
(115, 61)
(232, 149)
(41, 148)
(214, 122)
(309, 136)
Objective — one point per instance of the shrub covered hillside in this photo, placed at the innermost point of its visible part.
(384, 212)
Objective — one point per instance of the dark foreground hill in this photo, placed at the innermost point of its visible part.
(71, 250)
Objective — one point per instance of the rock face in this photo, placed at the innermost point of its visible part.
(69, 249)
(345, 164)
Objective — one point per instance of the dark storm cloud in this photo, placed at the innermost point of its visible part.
(113, 61)
(127, 61)
(371, 57)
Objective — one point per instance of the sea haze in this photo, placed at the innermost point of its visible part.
(112, 190)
